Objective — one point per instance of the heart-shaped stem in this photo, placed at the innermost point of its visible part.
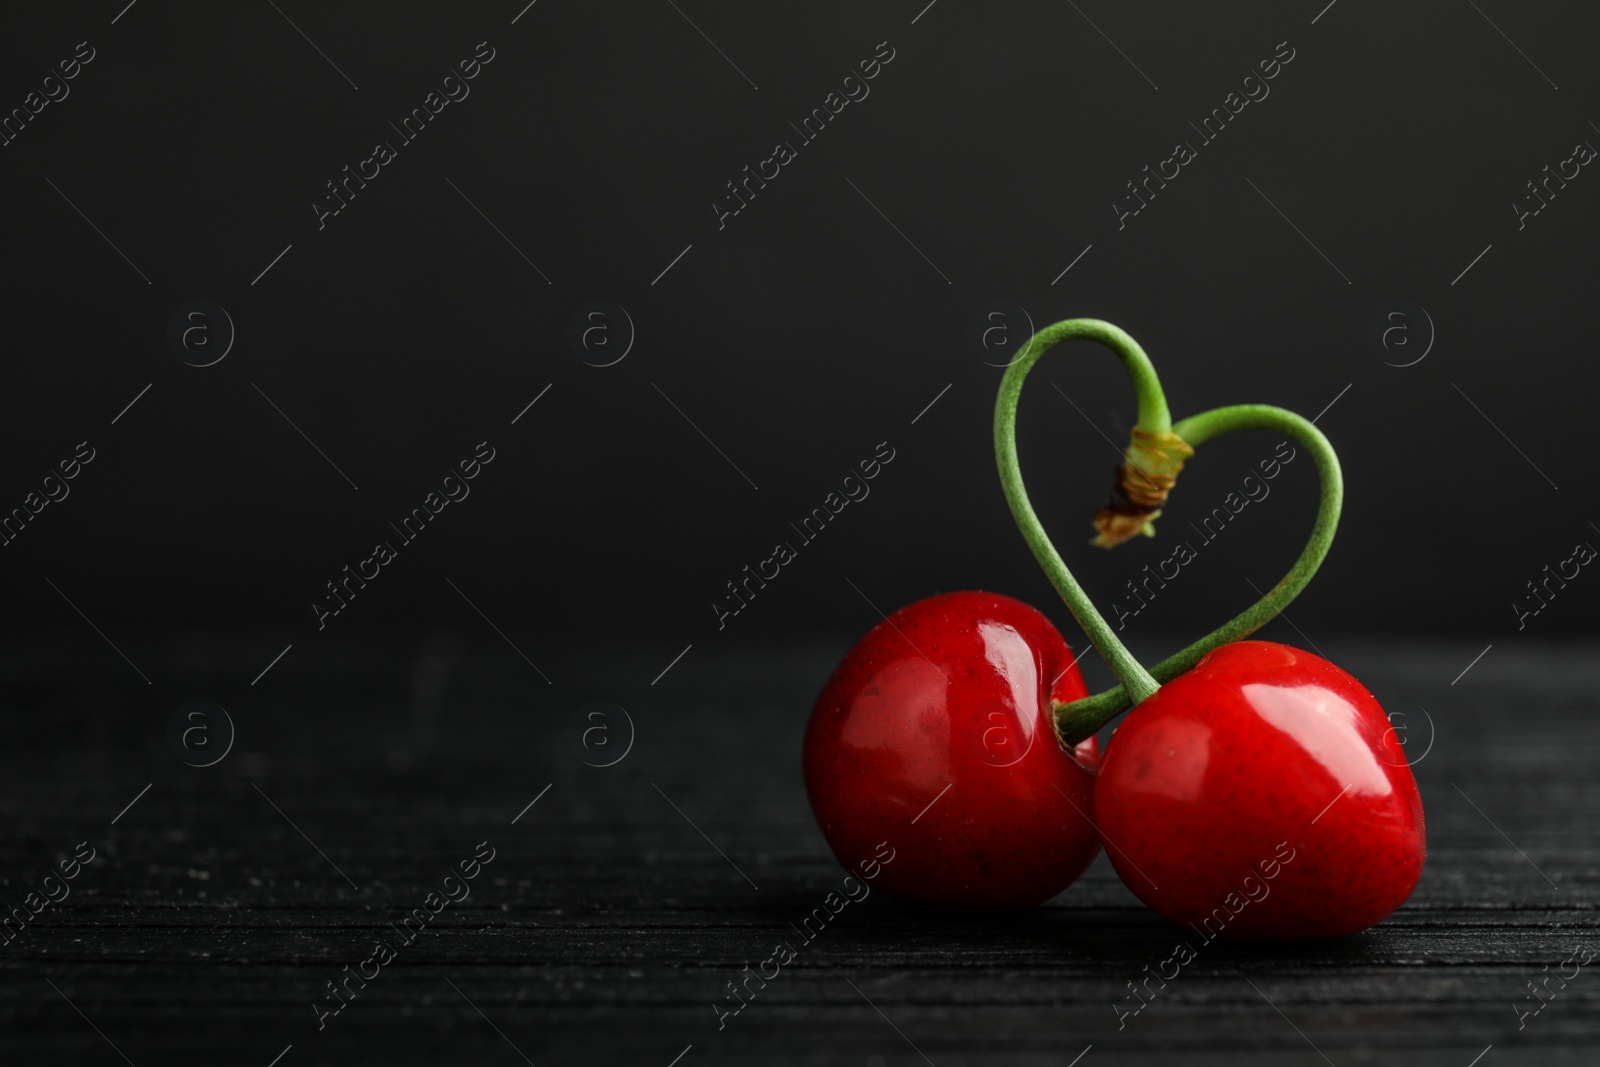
(1154, 418)
(1080, 719)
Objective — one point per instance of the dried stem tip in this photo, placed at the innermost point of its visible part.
(1153, 461)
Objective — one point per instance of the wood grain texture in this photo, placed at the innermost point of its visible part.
(608, 924)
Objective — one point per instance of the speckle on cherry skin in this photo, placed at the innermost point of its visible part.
(1262, 795)
(933, 744)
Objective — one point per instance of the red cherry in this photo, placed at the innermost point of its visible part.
(933, 743)
(1262, 794)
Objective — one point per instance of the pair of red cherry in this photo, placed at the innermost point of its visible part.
(961, 729)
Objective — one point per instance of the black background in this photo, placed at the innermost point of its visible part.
(803, 333)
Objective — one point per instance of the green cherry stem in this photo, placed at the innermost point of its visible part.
(1137, 683)
(1081, 718)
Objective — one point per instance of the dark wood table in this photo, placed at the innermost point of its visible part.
(615, 909)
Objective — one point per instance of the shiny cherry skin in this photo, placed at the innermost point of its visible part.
(933, 766)
(1262, 795)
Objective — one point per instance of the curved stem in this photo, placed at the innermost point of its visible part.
(1153, 417)
(1081, 718)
